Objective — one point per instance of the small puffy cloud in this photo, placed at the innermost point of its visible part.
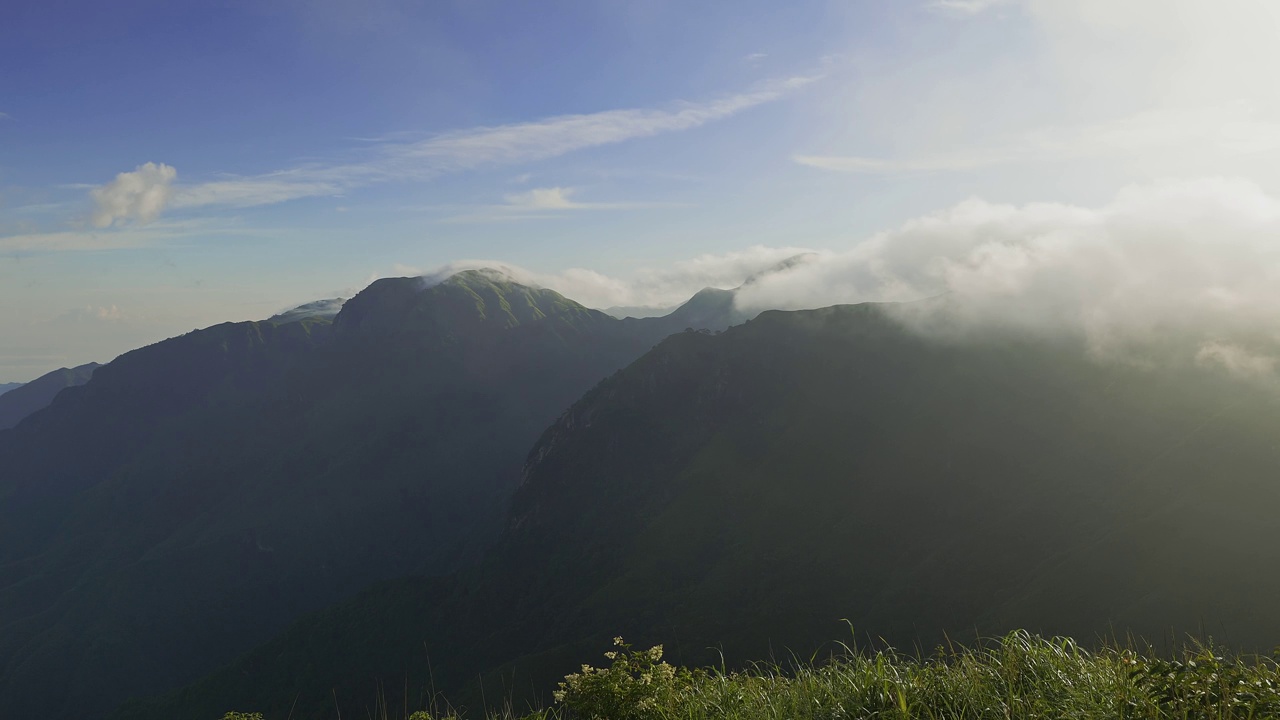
(107, 313)
(89, 314)
(137, 196)
(969, 7)
(551, 198)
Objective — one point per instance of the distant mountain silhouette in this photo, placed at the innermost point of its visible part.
(21, 400)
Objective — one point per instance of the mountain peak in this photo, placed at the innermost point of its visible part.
(487, 274)
(472, 298)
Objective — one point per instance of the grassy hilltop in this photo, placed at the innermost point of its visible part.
(1020, 676)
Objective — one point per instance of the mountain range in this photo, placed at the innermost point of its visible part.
(223, 483)
(746, 494)
(467, 487)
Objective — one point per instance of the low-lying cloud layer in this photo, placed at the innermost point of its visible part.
(649, 287)
(1196, 259)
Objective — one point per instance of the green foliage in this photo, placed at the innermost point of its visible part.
(1019, 677)
(424, 715)
(1205, 684)
(637, 685)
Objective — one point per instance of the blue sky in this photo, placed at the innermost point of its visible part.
(166, 166)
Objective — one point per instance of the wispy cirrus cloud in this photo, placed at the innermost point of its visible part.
(546, 202)
(395, 159)
(126, 238)
(660, 286)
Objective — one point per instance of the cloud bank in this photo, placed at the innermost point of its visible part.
(1197, 257)
(1196, 260)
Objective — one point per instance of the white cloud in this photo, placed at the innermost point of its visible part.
(544, 203)
(125, 238)
(1181, 270)
(525, 142)
(392, 159)
(139, 196)
(252, 192)
(1133, 89)
(969, 7)
(551, 198)
(1178, 270)
(650, 287)
(1195, 257)
(88, 314)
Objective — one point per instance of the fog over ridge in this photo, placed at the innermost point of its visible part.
(1197, 258)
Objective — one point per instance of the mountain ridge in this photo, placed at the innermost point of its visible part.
(747, 490)
(18, 400)
(251, 472)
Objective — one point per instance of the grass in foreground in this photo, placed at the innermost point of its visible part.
(1021, 676)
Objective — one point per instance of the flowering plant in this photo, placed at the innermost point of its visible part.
(637, 685)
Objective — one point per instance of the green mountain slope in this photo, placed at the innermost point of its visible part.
(200, 494)
(20, 400)
(748, 490)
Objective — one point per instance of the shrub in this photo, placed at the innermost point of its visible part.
(637, 685)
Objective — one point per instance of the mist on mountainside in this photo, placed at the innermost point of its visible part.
(1191, 260)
